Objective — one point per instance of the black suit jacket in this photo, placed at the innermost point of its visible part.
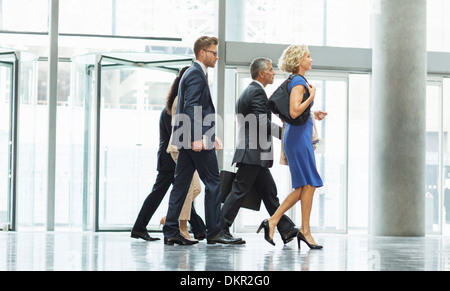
(165, 161)
(255, 128)
(195, 116)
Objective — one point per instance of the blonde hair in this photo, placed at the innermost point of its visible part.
(290, 59)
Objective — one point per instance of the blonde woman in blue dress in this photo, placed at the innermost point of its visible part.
(298, 146)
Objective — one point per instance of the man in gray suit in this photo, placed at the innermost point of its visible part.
(253, 155)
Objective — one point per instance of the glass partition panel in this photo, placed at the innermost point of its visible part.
(6, 96)
(75, 149)
(132, 100)
(24, 15)
(17, 88)
(358, 152)
(343, 23)
(32, 149)
(433, 138)
(140, 18)
(121, 138)
(329, 211)
(446, 157)
(438, 26)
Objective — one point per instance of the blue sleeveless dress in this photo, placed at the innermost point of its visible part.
(299, 150)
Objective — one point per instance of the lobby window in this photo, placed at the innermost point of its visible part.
(313, 22)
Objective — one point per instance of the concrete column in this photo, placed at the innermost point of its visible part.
(397, 165)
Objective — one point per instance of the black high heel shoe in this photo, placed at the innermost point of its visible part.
(301, 237)
(265, 225)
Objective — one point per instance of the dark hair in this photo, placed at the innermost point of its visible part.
(173, 92)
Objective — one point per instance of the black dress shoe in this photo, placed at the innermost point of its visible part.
(290, 235)
(223, 238)
(144, 235)
(200, 236)
(180, 240)
(239, 240)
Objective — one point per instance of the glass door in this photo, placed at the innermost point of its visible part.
(329, 211)
(8, 137)
(131, 91)
(433, 156)
(445, 144)
(437, 177)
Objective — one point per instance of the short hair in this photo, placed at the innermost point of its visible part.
(203, 43)
(290, 59)
(258, 65)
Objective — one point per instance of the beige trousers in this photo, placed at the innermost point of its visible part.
(193, 192)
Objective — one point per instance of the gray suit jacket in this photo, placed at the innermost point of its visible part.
(255, 128)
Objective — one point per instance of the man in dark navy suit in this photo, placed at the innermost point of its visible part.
(165, 178)
(253, 155)
(194, 135)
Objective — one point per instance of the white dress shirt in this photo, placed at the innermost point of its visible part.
(258, 82)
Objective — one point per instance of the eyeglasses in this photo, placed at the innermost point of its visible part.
(213, 52)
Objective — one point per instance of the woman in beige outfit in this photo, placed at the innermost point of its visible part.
(195, 188)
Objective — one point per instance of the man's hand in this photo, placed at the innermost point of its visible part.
(218, 144)
(198, 146)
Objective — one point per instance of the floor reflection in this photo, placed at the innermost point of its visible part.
(88, 251)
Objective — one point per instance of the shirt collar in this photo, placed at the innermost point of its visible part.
(202, 66)
(258, 82)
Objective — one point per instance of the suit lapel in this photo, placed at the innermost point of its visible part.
(208, 92)
(198, 67)
(257, 86)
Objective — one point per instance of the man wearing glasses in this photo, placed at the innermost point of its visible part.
(194, 135)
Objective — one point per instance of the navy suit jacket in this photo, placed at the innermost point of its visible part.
(165, 161)
(195, 115)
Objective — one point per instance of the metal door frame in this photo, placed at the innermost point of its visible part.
(13, 154)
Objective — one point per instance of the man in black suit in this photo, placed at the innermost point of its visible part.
(253, 153)
(194, 135)
(165, 178)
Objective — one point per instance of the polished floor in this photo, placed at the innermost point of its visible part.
(87, 251)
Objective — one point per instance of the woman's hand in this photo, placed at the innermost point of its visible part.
(320, 115)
